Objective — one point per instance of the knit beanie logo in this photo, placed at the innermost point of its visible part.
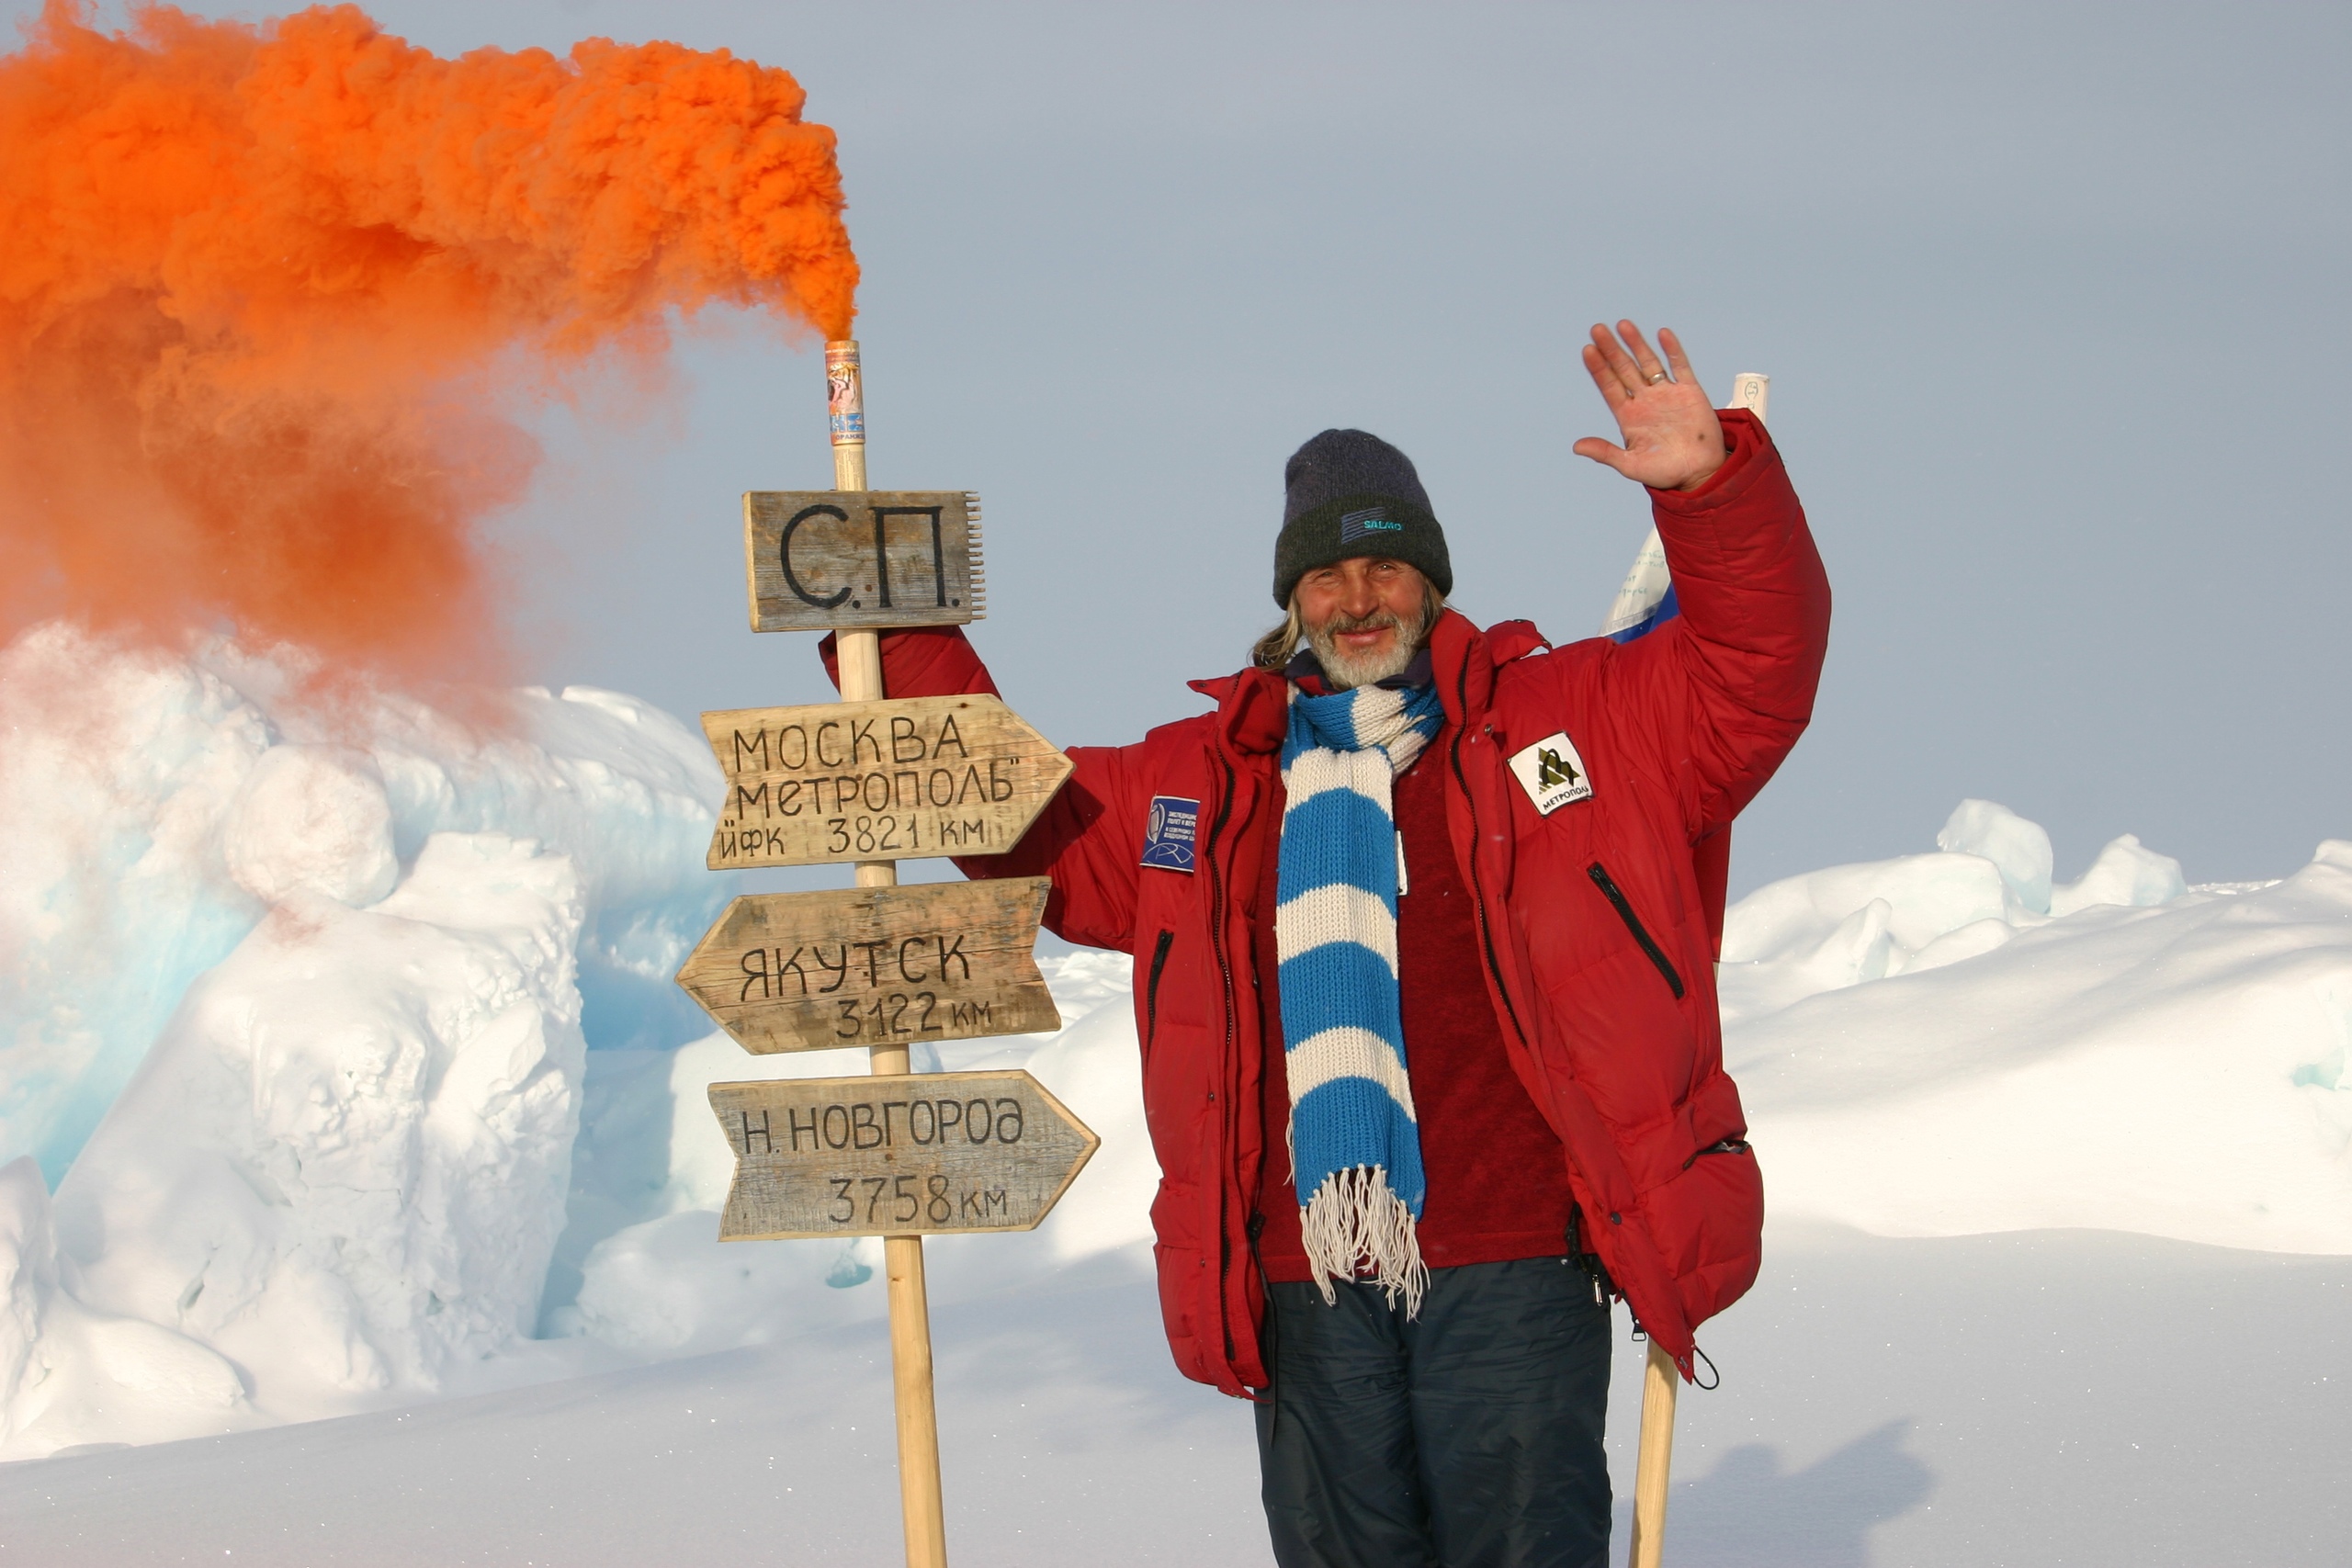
(1356, 526)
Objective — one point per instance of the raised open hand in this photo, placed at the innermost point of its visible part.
(1673, 440)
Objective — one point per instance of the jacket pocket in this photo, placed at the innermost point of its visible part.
(1609, 890)
(1708, 1224)
(1151, 988)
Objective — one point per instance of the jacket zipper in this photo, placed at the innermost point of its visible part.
(1603, 1289)
(1477, 889)
(1587, 1262)
(1151, 992)
(1224, 973)
(1600, 875)
(1270, 1350)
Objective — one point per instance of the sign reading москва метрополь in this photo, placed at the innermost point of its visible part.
(890, 780)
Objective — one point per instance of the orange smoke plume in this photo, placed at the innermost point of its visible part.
(268, 292)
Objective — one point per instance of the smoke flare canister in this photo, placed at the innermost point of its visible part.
(845, 405)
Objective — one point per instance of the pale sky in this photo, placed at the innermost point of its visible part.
(2054, 299)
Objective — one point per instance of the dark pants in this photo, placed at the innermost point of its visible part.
(1469, 1437)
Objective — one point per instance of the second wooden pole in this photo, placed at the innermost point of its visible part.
(1654, 1456)
(1654, 1459)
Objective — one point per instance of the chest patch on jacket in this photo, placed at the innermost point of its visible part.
(1168, 832)
(1552, 774)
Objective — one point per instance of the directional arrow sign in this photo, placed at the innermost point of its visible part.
(890, 780)
(922, 1154)
(875, 965)
(816, 560)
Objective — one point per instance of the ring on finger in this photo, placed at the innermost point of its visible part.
(1656, 376)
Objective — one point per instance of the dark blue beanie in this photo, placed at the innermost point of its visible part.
(1347, 493)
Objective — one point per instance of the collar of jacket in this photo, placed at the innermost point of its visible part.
(1253, 706)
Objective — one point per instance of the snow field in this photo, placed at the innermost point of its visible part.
(2088, 1399)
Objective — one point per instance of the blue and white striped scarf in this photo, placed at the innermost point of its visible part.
(1355, 1147)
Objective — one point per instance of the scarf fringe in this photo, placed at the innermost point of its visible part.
(1355, 1226)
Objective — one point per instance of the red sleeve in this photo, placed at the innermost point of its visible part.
(1089, 839)
(1720, 694)
(921, 661)
(1088, 836)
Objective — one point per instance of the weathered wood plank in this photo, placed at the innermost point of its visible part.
(926, 1154)
(891, 780)
(875, 965)
(817, 560)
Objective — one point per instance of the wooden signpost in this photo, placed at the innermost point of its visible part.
(871, 782)
(944, 1152)
(872, 965)
(876, 781)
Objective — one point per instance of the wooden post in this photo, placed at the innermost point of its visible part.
(1654, 1457)
(860, 656)
(1660, 1381)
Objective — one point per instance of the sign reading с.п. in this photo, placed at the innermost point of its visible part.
(889, 779)
(821, 561)
(875, 965)
(895, 1155)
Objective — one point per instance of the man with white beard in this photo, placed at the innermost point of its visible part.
(1424, 921)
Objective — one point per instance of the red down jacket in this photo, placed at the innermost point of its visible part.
(1599, 922)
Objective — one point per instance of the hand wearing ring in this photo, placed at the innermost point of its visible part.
(1672, 438)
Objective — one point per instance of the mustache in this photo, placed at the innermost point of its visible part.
(1341, 622)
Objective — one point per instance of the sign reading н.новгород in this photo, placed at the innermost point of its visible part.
(896, 1155)
(889, 779)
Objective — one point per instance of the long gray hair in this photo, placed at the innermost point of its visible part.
(1275, 649)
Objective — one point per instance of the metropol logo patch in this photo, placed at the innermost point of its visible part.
(1552, 774)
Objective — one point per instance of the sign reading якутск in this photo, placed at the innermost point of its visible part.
(875, 965)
